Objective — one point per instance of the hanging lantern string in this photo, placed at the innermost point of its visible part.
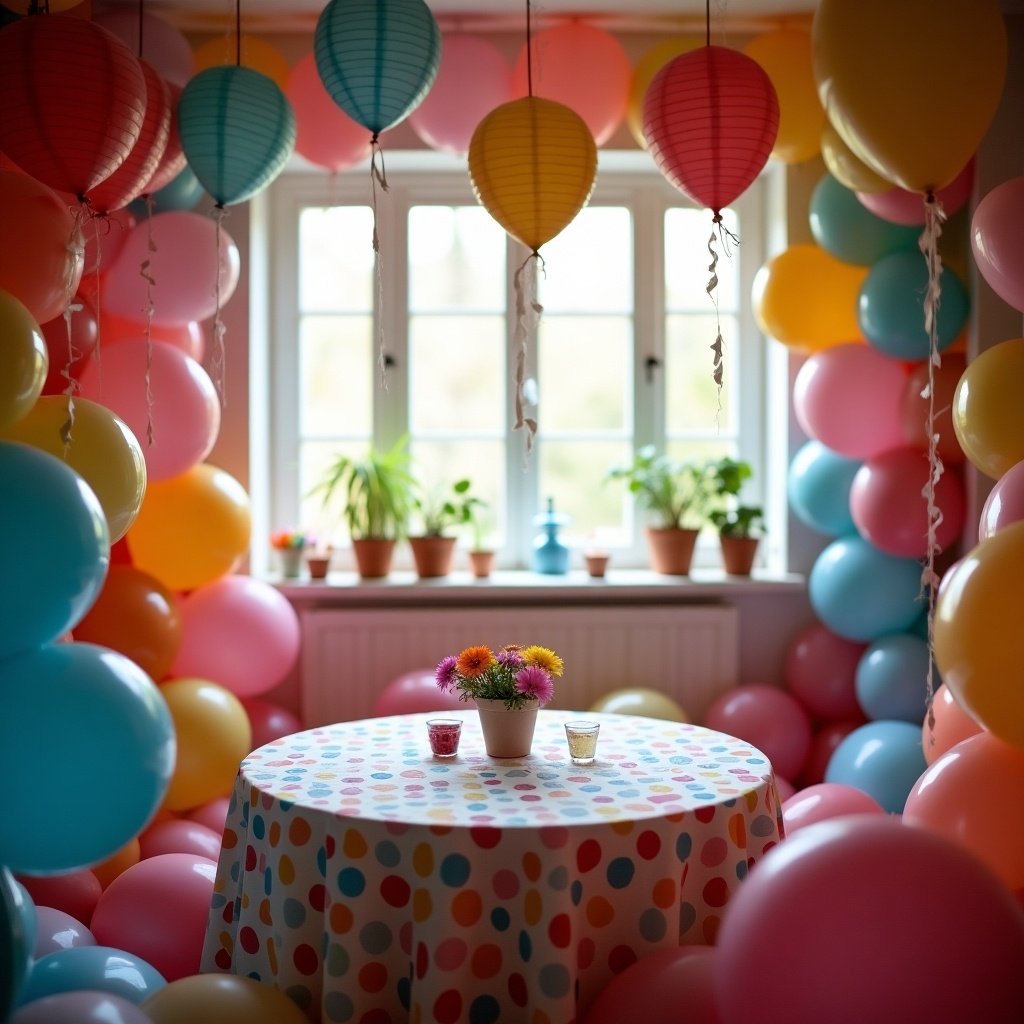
(378, 176)
(238, 33)
(928, 243)
(139, 54)
(529, 53)
(219, 330)
(76, 249)
(148, 309)
(528, 312)
(727, 238)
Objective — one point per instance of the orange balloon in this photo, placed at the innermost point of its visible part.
(106, 871)
(257, 55)
(649, 64)
(950, 724)
(914, 408)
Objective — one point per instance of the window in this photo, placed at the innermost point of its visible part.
(423, 342)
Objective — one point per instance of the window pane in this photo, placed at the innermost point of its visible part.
(336, 257)
(687, 259)
(573, 473)
(326, 522)
(692, 400)
(335, 376)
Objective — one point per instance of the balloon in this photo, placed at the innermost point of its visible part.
(17, 937)
(413, 692)
(640, 700)
(269, 721)
(940, 69)
(996, 240)
(977, 615)
(155, 40)
(183, 192)
(247, 50)
(946, 726)
(645, 68)
(848, 398)
(239, 632)
(473, 79)
(785, 54)
(23, 360)
(192, 528)
(180, 836)
(213, 814)
(823, 801)
(902, 904)
(890, 309)
(69, 344)
(50, 581)
(213, 736)
(101, 448)
(883, 759)
(41, 257)
(820, 671)
(188, 337)
(891, 678)
(325, 134)
(192, 262)
(898, 206)
(581, 66)
(57, 930)
(94, 968)
(768, 717)
(76, 893)
(173, 162)
(99, 712)
(806, 298)
(107, 870)
(847, 168)
(862, 593)
(164, 396)
(818, 486)
(914, 408)
(157, 910)
(823, 745)
(1004, 504)
(988, 416)
(844, 228)
(887, 503)
(218, 998)
(80, 1007)
(138, 616)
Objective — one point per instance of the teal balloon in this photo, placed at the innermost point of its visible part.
(883, 759)
(237, 129)
(17, 938)
(818, 488)
(56, 548)
(862, 593)
(184, 192)
(890, 307)
(892, 679)
(95, 968)
(91, 740)
(846, 229)
(377, 59)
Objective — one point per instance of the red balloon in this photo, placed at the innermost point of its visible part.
(69, 345)
(180, 835)
(820, 671)
(823, 745)
(826, 800)
(188, 336)
(710, 118)
(415, 692)
(76, 893)
(914, 408)
(104, 239)
(269, 721)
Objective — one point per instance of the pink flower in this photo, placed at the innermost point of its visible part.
(445, 675)
(535, 682)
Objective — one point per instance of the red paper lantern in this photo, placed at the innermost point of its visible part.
(74, 100)
(711, 117)
(173, 161)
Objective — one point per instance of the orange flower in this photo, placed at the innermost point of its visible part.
(474, 662)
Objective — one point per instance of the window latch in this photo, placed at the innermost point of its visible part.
(651, 363)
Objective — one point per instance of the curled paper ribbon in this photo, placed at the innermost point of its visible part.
(528, 311)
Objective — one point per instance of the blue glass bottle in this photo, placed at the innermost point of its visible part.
(550, 554)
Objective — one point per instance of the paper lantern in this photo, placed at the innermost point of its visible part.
(711, 118)
(237, 131)
(532, 164)
(74, 100)
(172, 162)
(377, 58)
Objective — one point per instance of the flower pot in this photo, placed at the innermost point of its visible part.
(318, 565)
(507, 733)
(432, 556)
(373, 556)
(290, 562)
(738, 554)
(481, 563)
(671, 549)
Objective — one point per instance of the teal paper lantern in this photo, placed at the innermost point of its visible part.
(377, 59)
(237, 129)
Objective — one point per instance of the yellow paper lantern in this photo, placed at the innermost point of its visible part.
(532, 164)
(649, 64)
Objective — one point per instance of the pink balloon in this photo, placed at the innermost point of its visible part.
(163, 45)
(914, 408)
(326, 135)
(157, 909)
(180, 835)
(212, 814)
(185, 266)
(823, 745)
(57, 930)
(997, 241)
(188, 337)
(899, 206)
(473, 79)
(69, 350)
(820, 671)
(412, 693)
(269, 721)
(1004, 504)
(76, 893)
(238, 632)
(902, 904)
(949, 725)
(769, 718)
(104, 239)
(175, 414)
(81, 1006)
(785, 788)
(848, 398)
(826, 800)
(890, 511)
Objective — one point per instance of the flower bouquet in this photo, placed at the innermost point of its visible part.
(289, 545)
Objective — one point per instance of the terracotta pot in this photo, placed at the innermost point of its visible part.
(481, 562)
(432, 555)
(373, 556)
(319, 566)
(738, 554)
(507, 733)
(671, 549)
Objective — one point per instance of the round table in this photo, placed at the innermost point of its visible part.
(374, 883)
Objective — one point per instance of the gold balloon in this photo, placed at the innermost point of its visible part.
(640, 700)
(221, 999)
(24, 360)
(848, 168)
(257, 55)
(649, 64)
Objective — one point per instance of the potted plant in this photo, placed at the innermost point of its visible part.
(740, 527)
(439, 511)
(677, 494)
(377, 494)
(481, 555)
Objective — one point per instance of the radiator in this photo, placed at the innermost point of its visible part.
(689, 652)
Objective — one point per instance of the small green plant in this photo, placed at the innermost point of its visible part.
(729, 517)
(441, 511)
(677, 493)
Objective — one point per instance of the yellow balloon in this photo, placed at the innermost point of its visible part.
(221, 999)
(191, 529)
(911, 86)
(101, 448)
(213, 734)
(533, 164)
(977, 623)
(649, 64)
(807, 299)
(257, 55)
(785, 56)
(639, 700)
(988, 410)
(848, 168)
(24, 360)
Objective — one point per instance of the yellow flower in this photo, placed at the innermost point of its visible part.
(543, 658)
(473, 662)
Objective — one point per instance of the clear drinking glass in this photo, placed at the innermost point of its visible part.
(581, 735)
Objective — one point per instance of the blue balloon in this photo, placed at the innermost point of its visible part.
(892, 679)
(890, 307)
(818, 487)
(883, 759)
(91, 739)
(56, 550)
(184, 192)
(98, 968)
(843, 226)
(17, 938)
(862, 593)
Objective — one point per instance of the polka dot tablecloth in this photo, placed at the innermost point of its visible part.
(375, 884)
